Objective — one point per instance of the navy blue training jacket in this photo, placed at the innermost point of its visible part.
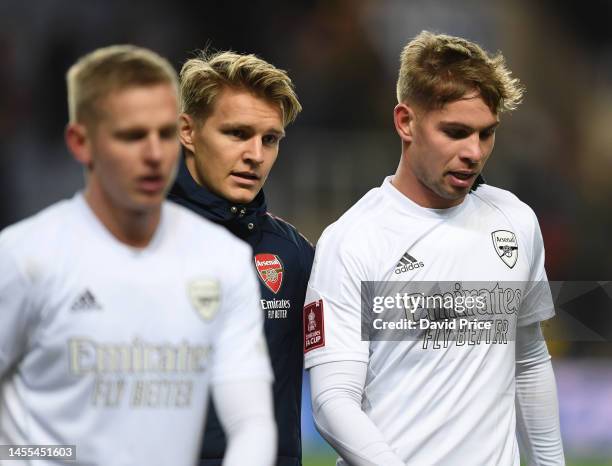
(283, 259)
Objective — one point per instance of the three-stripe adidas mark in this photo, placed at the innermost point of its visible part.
(86, 301)
(407, 263)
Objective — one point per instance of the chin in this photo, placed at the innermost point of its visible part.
(240, 197)
(142, 209)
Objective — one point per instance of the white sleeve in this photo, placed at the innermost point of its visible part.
(537, 304)
(336, 392)
(537, 410)
(240, 351)
(332, 313)
(15, 312)
(246, 414)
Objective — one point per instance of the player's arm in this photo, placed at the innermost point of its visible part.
(245, 411)
(241, 372)
(337, 357)
(15, 313)
(336, 392)
(537, 409)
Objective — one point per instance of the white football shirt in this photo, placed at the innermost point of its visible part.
(112, 348)
(435, 401)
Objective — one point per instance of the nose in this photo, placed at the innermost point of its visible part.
(254, 151)
(153, 148)
(473, 150)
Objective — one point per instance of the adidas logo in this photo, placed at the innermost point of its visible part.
(407, 263)
(85, 302)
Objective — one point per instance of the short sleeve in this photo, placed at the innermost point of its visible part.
(15, 313)
(332, 310)
(537, 304)
(240, 351)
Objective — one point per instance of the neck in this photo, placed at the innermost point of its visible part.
(407, 183)
(131, 227)
(191, 166)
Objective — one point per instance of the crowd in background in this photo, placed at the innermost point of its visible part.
(554, 152)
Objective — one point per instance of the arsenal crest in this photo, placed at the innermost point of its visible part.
(506, 246)
(270, 270)
(204, 295)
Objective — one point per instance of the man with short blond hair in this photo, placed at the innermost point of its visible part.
(204, 77)
(414, 383)
(112, 332)
(109, 69)
(235, 110)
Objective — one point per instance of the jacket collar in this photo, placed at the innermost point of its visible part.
(241, 219)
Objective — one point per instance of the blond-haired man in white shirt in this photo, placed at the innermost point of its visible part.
(442, 396)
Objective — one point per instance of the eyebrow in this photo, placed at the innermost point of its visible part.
(130, 131)
(250, 128)
(134, 130)
(463, 126)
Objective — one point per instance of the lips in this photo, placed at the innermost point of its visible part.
(463, 175)
(246, 175)
(151, 184)
(462, 178)
(247, 180)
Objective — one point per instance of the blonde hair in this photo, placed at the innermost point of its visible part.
(202, 78)
(112, 68)
(437, 69)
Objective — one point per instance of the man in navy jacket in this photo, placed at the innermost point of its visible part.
(235, 110)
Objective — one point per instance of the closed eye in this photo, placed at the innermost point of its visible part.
(456, 133)
(487, 134)
(460, 131)
(168, 132)
(131, 135)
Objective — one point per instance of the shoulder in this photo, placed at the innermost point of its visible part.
(517, 213)
(34, 247)
(42, 230)
(507, 203)
(355, 241)
(191, 228)
(359, 225)
(283, 229)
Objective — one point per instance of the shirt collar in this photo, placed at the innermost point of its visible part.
(408, 206)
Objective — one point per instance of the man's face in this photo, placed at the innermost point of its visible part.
(448, 149)
(232, 151)
(133, 148)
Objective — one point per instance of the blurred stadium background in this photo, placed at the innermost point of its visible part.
(555, 152)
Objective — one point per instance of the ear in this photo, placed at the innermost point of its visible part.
(404, 118)
(187, 128)
(77, 141)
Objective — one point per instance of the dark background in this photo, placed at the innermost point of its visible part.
(554, 152)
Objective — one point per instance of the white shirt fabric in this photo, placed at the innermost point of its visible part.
(434, 401)
(336, 393)
(337, 390)
(113, 349)
(537, 407)
(247, 417)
